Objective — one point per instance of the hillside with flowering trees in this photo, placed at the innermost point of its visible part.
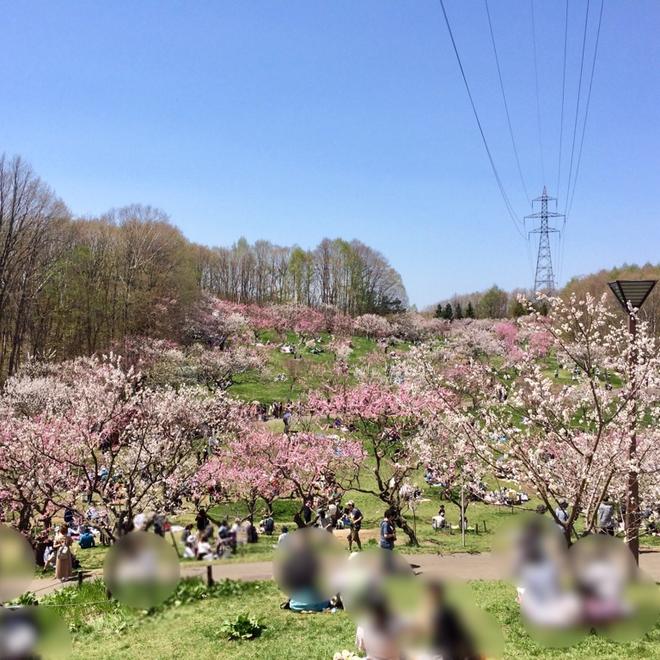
(403, 412)
(156, 425)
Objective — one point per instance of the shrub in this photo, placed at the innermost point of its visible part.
(244, 626)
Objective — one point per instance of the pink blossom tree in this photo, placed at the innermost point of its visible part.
(258, 464)
(384, 418)
(109, 441)
(240, 471)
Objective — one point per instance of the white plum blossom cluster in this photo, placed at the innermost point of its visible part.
(566, 441)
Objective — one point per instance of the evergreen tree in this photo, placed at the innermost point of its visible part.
(469, 312)
(438, 311)
(448, 313)
(517, 309)
(458, 312)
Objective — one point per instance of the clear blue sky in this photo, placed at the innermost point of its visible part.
(292, 121)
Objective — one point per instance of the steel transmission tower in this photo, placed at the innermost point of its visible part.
(544, 280)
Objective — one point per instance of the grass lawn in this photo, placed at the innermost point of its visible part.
(192, 627)
(304, 373)
(479, 514)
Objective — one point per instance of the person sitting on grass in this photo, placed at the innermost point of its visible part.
(268, 525)
(86, 539)
(283, 536)
(49, 555)
(204, 550)
(186, 532)
(301, 574)
(190, 547)
(439, 521)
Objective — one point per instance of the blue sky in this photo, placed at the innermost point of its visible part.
(292, 121)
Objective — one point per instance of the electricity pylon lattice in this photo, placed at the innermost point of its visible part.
(544, 280)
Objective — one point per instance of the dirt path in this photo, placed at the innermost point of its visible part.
(458, 566)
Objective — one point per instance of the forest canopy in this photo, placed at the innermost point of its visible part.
(73, 286)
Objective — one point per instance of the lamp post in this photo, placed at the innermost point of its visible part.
(631, 295)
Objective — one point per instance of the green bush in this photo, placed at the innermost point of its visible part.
(244, 626)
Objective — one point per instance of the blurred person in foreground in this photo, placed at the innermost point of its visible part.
(300, 570)
(449, 638)
(379, 631)
(544, 600)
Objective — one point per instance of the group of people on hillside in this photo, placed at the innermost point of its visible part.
(505, 497)
(276, 410)
(200, 540)
(331, 516)
(607, 520)
(349, 517)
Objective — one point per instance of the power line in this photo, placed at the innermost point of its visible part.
(563, 97)
(507, 203)
(586, 108)
(506, 105)
(538, 100)
(577, 104)
(560, 250)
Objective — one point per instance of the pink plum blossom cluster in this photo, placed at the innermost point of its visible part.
(386, 417)
(261, 465)
(88, 430)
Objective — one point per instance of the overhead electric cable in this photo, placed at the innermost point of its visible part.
(481, 130)
(563, 97)
(538, 99)
(586, 107)
(577, 104)
(560, 256)
(506, 105)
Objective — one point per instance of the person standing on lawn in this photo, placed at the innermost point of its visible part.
(355, 516)
(387, 531)
(605, 517)
(62, 548)
(286, 418)
(307, 513)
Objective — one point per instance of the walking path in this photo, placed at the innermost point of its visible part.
(458, 566)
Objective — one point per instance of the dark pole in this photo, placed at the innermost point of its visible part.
(631, 295)
(632, 517)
